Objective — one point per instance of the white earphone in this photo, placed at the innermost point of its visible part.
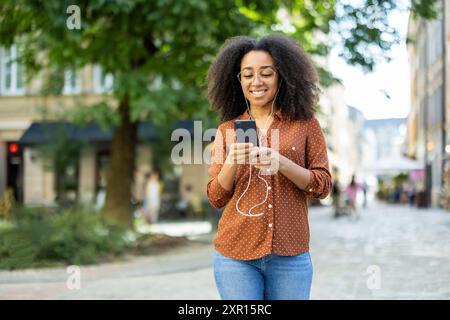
(249, 213)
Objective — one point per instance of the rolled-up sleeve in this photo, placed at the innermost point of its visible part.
(217, 195)
(319, 185)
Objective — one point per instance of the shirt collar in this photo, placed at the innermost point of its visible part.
(246, 115)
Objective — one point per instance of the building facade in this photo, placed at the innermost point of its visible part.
(346, 140)
(22, 167)
(429, 118)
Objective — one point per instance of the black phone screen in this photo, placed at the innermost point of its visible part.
(246, 131)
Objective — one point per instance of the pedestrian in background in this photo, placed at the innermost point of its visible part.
(365, 188)
(350, 195)
(152, 196)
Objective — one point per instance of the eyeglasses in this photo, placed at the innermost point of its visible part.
(265, 74)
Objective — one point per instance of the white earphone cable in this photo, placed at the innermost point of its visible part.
(250, 214)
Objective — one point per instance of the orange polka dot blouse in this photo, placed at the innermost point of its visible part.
(283, 229)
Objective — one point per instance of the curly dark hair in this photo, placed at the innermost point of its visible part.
(299, 89)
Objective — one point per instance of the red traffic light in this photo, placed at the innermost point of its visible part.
(13, 148)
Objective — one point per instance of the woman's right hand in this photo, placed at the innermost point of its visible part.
(239, 153)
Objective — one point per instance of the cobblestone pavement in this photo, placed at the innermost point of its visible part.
(408, 248)
(391, 252)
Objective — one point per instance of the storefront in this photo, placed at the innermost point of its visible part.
(65, 163)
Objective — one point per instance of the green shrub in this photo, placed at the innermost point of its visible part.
(42, 237)
(16, 249)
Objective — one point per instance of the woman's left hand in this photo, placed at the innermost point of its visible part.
(265, 159)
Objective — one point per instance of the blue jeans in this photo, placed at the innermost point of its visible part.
(272, 277)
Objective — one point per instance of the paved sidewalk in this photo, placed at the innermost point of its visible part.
(398, 252)
(408, 248)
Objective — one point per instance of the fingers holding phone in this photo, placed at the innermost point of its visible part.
(239, 153)
(246, 141)
(266, 159)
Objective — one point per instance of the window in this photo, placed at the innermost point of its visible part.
(72, 82)
(103, 82)
(11, 71)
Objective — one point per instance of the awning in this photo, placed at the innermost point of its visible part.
(395, 165)
(43, 132)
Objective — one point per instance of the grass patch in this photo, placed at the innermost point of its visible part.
(41, 237)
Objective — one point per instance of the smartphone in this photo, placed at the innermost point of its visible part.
(246, 131)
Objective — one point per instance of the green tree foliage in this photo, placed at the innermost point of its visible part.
(158, 52)
(366, 31)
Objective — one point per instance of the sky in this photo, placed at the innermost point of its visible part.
(365, 91)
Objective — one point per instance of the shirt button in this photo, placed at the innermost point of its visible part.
(293, 148)
(268, 188)
(270, 225)
(310, 190)
(270, 206)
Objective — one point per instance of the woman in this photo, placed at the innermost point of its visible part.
(350, 194)
(262, 242)
(152, 197)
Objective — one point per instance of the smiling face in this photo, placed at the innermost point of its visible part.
(258, 78)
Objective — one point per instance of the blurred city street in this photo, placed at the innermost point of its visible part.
(406, 249)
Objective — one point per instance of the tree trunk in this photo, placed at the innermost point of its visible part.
(118, 208)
